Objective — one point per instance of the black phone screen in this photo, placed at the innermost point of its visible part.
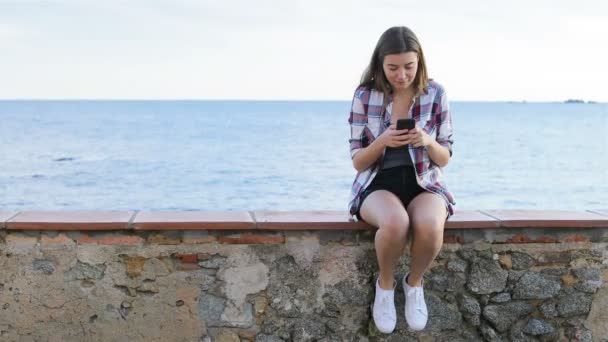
(406, 124)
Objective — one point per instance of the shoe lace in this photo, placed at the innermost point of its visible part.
(418, 298)
(385, 306)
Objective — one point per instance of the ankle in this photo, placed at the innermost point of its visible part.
(386, 283)
(413, 282)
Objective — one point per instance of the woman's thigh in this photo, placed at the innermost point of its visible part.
(382, 209)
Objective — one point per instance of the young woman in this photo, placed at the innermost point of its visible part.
(399, 183)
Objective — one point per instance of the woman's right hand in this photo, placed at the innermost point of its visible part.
(392, 137)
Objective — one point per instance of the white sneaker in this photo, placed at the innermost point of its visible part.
(416, 313)
(385, 315)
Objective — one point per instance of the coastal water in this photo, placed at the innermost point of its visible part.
(255, 155)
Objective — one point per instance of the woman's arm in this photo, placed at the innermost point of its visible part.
(362, 153)
(437, 153)
(368, 155)
(440, 148)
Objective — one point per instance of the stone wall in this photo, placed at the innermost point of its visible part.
(295, 284)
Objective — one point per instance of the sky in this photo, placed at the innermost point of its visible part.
(533, 50)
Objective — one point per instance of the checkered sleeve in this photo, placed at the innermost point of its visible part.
(444, 123)
(358, 122)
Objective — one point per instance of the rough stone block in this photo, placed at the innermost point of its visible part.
(533, 285)
(486, 276)
(60, 240)
(110, 239)
(20, 240)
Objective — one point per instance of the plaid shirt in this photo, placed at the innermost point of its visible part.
(367, 121)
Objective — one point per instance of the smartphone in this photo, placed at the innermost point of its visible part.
(406, 124)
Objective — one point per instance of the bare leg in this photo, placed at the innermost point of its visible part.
(384, 210)
(427, 212)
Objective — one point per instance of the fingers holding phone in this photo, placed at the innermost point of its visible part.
(397, 135)
(415, 136)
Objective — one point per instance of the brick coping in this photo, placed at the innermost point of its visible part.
(283, 220)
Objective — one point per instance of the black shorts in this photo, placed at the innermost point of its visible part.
(400, 180)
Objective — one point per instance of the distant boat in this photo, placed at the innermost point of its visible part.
(574, 101)
(63, 159)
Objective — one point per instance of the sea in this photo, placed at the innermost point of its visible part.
(282, 155)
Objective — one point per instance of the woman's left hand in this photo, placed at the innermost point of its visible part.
(418, 137)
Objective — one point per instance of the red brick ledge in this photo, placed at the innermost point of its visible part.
(69, 220)
(282, 220)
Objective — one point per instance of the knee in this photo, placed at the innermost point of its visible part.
(395, 225)
(430, 228)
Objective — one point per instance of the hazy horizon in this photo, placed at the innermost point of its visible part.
(590, 102)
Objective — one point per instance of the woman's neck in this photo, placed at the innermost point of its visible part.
(405, 93)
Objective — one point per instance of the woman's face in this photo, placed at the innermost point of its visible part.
(400, 69)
